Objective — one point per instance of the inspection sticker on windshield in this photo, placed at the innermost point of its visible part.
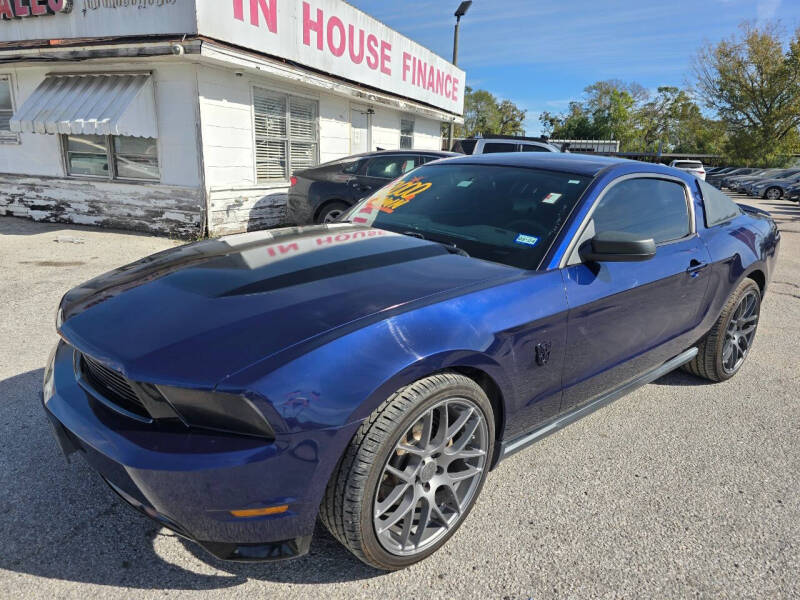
(574, 181)
(551, 198)
(527, 240)
(465, 183)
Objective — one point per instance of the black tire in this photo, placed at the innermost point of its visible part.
(331, 210)
(708, 363)
(777, 193)
(346, 509)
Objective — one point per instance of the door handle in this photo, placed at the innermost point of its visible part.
(695, 266)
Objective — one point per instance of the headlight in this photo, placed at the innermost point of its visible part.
(217, 411)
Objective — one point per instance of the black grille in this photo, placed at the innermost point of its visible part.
(113, 386)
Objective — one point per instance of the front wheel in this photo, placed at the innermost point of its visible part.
(412, 472)
(773, 193)
(724, 349)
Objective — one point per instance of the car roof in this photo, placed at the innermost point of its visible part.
(580, 164)
(441, 153)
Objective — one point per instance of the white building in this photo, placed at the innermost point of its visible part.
(188, 116)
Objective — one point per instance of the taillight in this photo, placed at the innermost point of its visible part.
(292, 181)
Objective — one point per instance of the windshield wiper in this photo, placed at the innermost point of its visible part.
(451, 248)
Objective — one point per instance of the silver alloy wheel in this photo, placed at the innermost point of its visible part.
(773, 194)
(431, 476)
(740, 332)
(332, 215)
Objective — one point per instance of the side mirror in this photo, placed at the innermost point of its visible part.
(617, 246)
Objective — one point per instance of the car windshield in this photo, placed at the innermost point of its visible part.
(503, 214)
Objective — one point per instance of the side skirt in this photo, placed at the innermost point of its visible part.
(509, 447)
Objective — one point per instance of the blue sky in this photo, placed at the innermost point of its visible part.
(542, 53)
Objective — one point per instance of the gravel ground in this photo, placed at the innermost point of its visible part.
(679, 489)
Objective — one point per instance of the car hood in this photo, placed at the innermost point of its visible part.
(198, 313)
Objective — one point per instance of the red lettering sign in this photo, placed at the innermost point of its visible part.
(10, 9)
(268, 8)
(5, 9)
(20, 9)
(337, 34)
(38, 7)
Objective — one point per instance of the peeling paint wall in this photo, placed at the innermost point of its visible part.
(234, 210)
(33, 181)
(161, 209)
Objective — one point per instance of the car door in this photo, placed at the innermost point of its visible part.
(382, 169)
(626, 318)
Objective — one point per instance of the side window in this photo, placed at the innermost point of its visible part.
(651, 208)
(353, 167)
(6, 110)
(718, 207)
(493, 147)
(533, 148)
(390, 167)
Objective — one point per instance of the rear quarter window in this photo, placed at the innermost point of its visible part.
(719, 208)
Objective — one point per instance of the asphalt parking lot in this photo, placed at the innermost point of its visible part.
(680, 489)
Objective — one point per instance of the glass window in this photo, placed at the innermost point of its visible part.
(719, 207)
(651, 208)
(88, 155)
(131, 157)
(503, 214)
(493, 147)
(286, 129)
(407, 133)
(533, 148)
(465, 146)
(136, 158)
(6, 109)
(390, 167)
(352, 167)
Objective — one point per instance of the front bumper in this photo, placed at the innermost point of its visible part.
(191, 481)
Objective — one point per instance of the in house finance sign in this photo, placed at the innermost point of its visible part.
(333, 37)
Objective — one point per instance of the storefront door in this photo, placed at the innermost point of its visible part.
(359, 130)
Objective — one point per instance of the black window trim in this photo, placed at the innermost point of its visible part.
(570, 254)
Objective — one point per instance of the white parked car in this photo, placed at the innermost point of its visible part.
(695, 167)
(503, 143)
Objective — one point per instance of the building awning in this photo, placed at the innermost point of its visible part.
(90, 104)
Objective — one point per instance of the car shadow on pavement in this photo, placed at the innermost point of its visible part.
(679, 378)
(60, 521)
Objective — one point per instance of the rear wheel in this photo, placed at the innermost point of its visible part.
(331, 211)
(773, 193)
(724, 349)
(412, 472)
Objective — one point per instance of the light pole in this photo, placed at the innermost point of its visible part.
(460, 12)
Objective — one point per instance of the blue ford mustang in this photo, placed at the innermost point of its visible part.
(370, 372)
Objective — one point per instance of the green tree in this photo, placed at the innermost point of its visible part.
(485, 114)
(752, 82)
(670, 120)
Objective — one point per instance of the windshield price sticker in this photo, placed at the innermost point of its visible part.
(551, 198)
(527, 240)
